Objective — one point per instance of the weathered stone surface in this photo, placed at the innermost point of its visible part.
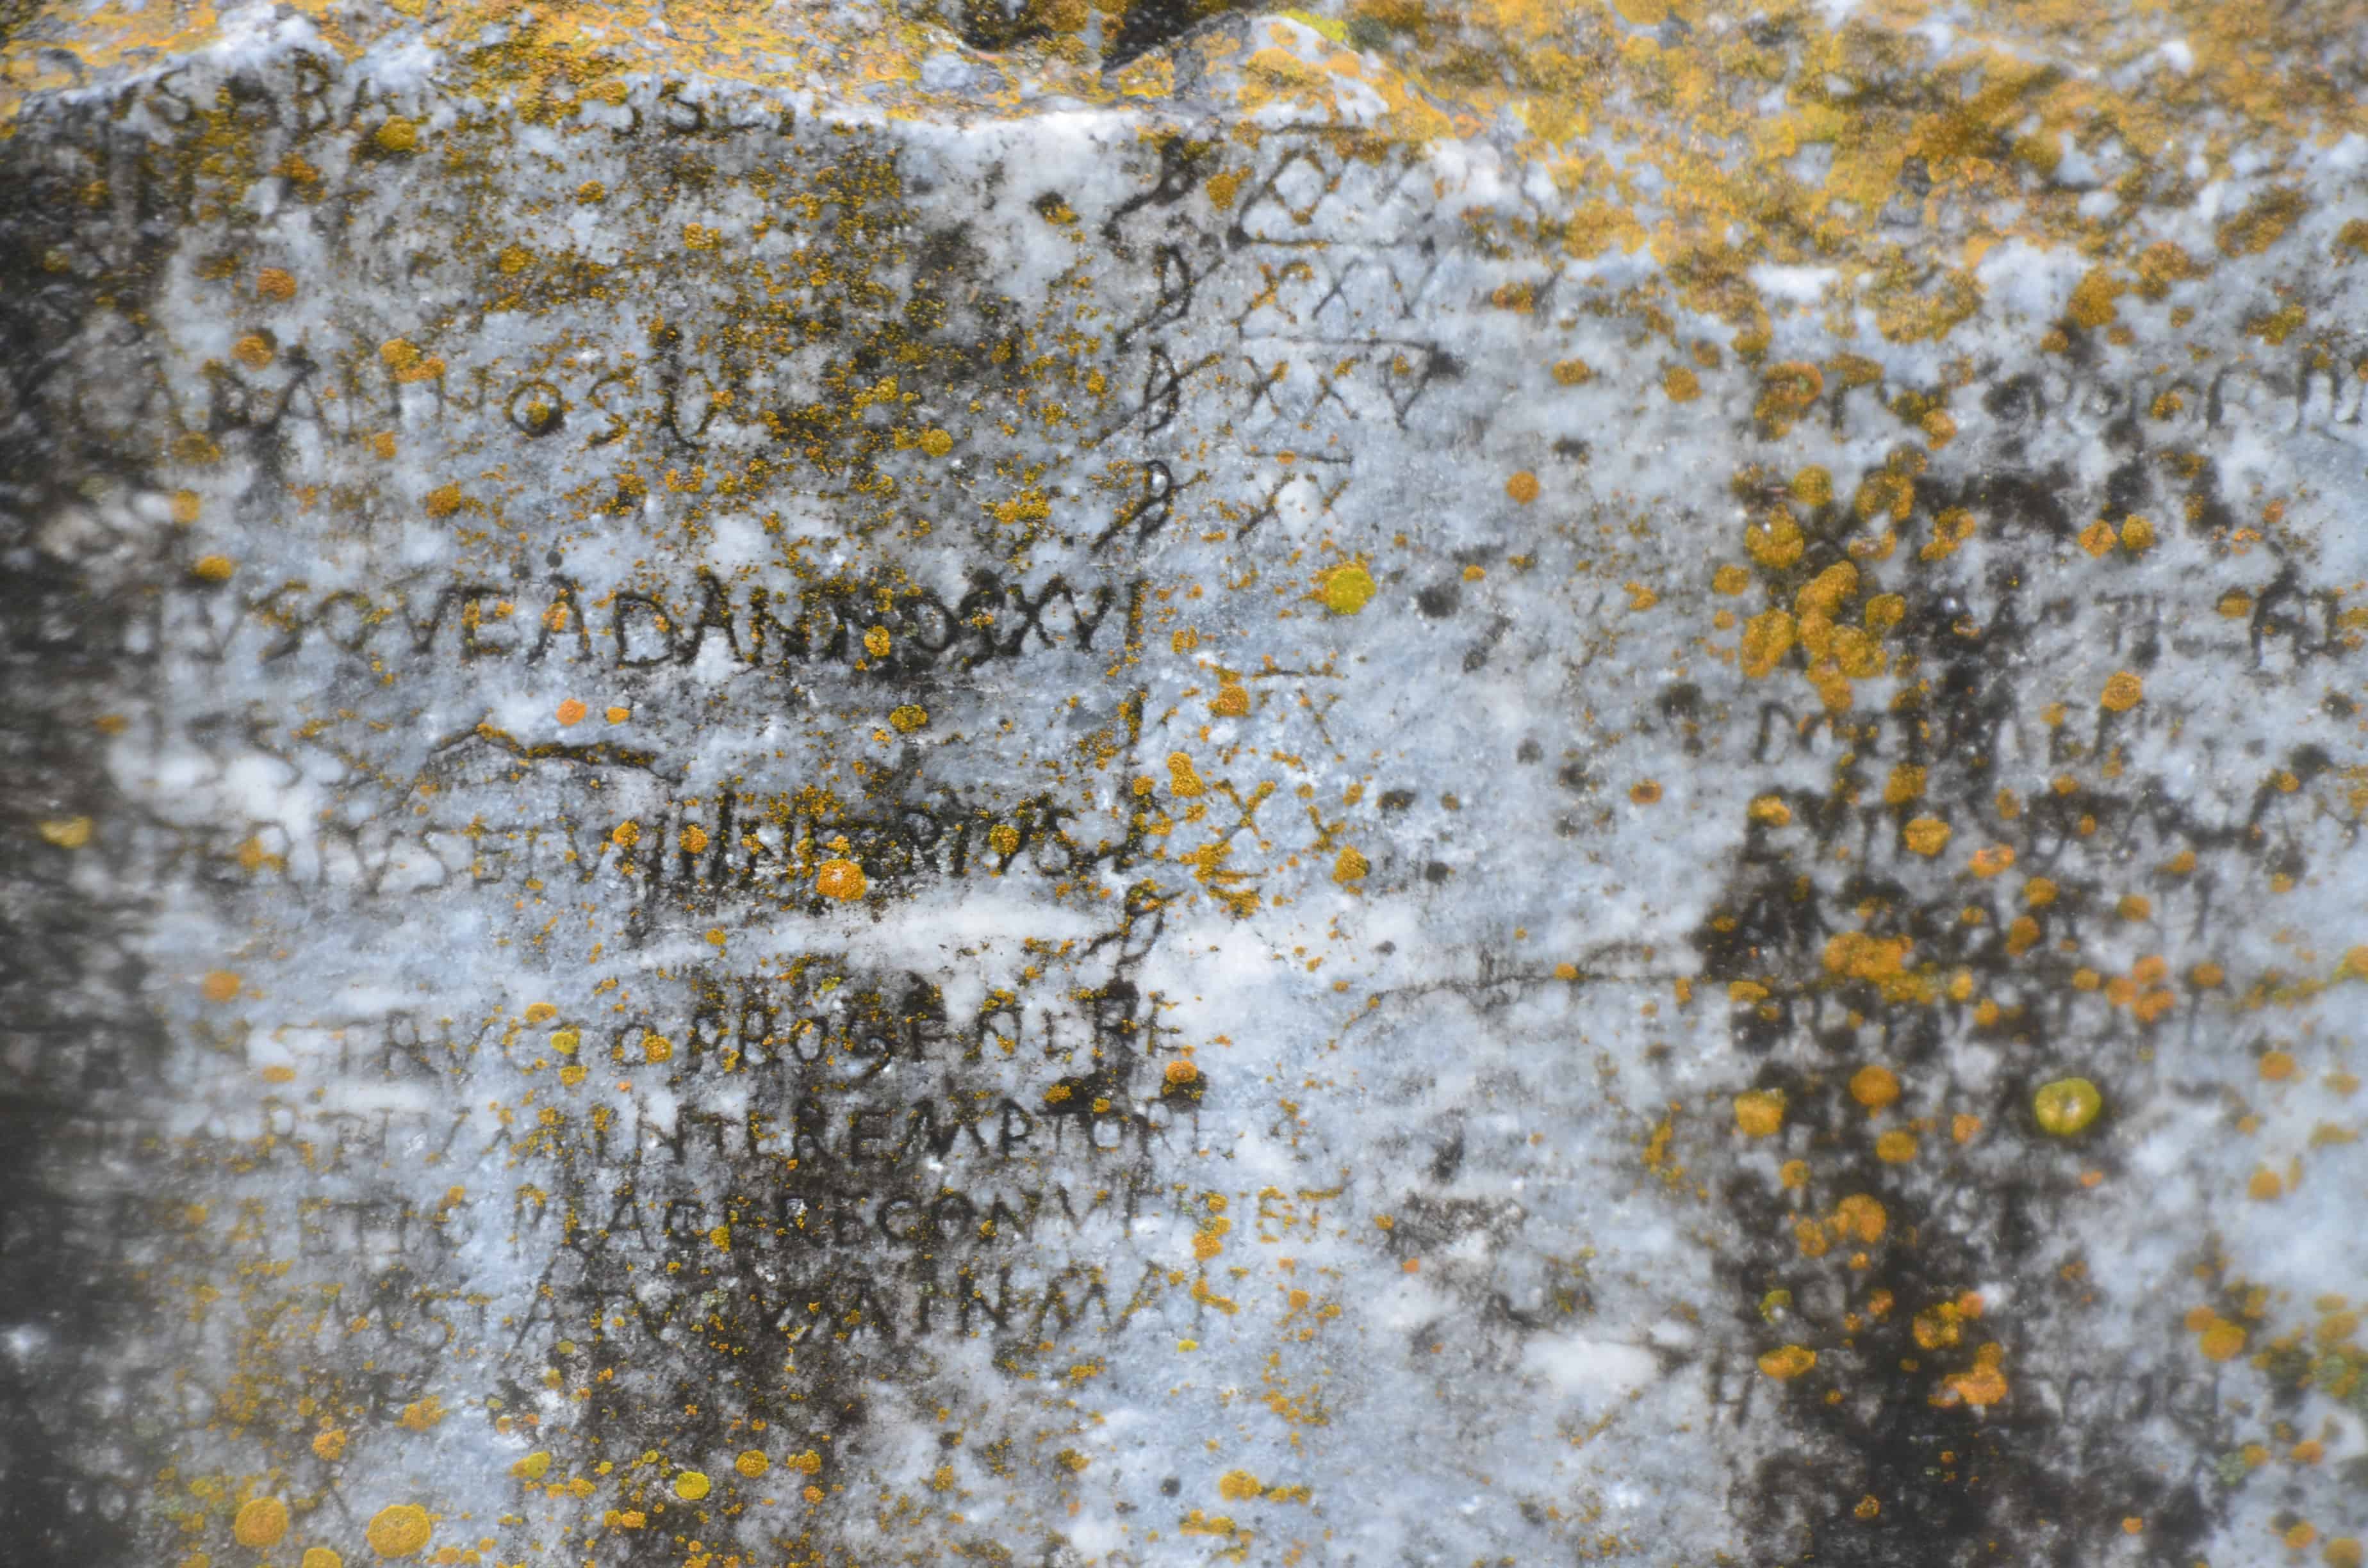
(1364, 786)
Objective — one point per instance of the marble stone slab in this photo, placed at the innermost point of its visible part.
(1087, 785)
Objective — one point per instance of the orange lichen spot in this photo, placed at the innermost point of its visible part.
(2021, 936)
(572, 712)
(2039, 892)
(1768, 809)
(261, 1521)
(690, 1485)
(399, 1530)
(841, 880)
(2235, 605)
(1565, 971)
(1896, 1147)
(1984, 1385)
(1350, 867)
(1787, 1362)
(617, 715)
(1522, 487)
(1874, 1086)
(1767, 638)
(1238, 1486)
(186, 506)
(625, 835)
(254, 351)
(1905, 784)
(2343, 1550)
(2135, 906)
(1729, 579)
(656, 1048)
(276, 284)
(2277, 1065)
(2123, 692)
(1182, 1071)
(219, 985)
(1743, 991)
(2266, 1186)
(1925, 835)
(692, 837)
(1232, 701)
(2299, 1536)
(2098, 537)
(2067, 1106)
(1573, 372)
(1965, 1129)
(1759, 1113)
(1776, 542)
(421, 1415)
(1183, 778)
(442, 501)
(752, 1464)
(1793, 1174)
(2137, 535)
(1855, 955)
(1989, 862)
(1346, 589)
(1861, 1217)
(1680, 385)
(329, 1444)
(1867, 1507)
(1645, 792)
(213, 568)
(907, 717)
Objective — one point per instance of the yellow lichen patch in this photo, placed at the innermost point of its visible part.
(1522, 487)
(1183, 778)
(2067, 1106)
(254, 351)
(1989, 862)
(1984, 1385)
(907, 717)
(65, 833)
(936, 443)
(752, 1464)
(213, 568)
(1232, 701)
(1905, 784)
(1729, 579)
(690, 1485)
(1346, 588)
(1776, 542)
(1874, 1085)
(1860, 1218)
(1350, 867)
(399, 1530)
(1787, 1362)
(1767, 638)
(276, 284)
(2220, 1340)
(1680, 384)
(841, 880)
(1896, 1147)
(329, 1444)
(1759, 1113)
(2123, 692)
(261, 1521)
(443, 501)
(1855, 955)
(1181, 1072)
(397, 135)
(1925, 835)
(534, 1467)
(1770, 811)
(321, 1557)
(219, 985)
(1238, 1486)
(1573, 372)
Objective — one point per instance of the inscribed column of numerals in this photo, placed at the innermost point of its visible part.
(776, 811)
